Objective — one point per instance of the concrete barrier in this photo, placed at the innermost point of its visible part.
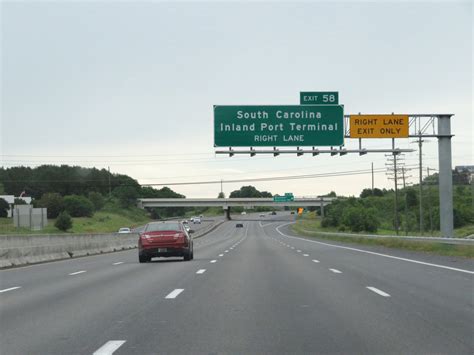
(29, 249)
(17, 250)
(203, 231)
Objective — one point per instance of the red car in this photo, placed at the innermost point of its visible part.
(166, 239)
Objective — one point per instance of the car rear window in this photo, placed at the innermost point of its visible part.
(168, 226)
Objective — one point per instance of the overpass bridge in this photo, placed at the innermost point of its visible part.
(227, 203)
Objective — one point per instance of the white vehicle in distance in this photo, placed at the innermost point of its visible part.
(197, 220)
(192, 219)
(243, 213)
(124, 230)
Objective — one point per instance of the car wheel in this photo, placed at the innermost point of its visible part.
(192, 254)
(187, 256)
(143, 258)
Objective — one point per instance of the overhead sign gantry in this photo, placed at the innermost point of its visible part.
(319, 121)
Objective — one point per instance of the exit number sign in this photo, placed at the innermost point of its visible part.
(319, 98)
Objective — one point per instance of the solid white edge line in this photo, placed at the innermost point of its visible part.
(336, 271)
(10, 289)
(109, 348)
(373, 253)
(173, 294)
(201, 271)
(77, 272)
(380, 292)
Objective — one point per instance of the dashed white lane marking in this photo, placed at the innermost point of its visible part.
(292, 247)
(336, 271)
(10, 289)
(221, 254)
(298, 251)
(226, 251)
(213, 261)
(305, 254)
(109, 347)
(373, 253)
(174, 293)
(118, 263)
(380, 292)
(77, 272)
(201, 271)
(315, 261)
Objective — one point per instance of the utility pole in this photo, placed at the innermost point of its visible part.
(372, 178)
(406, 201)
(396, 192)
(392, 170)
(420, 144)
(110, 187)
(221, 188)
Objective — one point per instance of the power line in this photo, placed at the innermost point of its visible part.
(275, 178)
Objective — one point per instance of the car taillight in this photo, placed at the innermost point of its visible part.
(182, 238)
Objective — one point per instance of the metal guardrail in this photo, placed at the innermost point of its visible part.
(462, 241)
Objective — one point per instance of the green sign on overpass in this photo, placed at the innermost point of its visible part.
(286, 198)
(297, 125)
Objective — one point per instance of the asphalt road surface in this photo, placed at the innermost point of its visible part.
(250, 290)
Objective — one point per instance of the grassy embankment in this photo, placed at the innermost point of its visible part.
(109, 219)
(309, 225)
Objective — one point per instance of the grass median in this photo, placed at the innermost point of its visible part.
(311, 228)
(108, 220)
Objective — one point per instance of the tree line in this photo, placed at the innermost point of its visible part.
(374, 209)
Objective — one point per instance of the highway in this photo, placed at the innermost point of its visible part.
(251, 290)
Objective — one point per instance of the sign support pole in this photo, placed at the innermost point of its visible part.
(445, 176)
(420, 147)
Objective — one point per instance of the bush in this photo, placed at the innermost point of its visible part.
(63, 222)
(359, 219)
(97, 200)
(78, 206)
(53, 202)
(4, 207)
(19, 201)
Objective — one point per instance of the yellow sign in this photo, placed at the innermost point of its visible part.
(300, 210)
(379, 126)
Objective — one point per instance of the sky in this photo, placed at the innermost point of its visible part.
(131, 85)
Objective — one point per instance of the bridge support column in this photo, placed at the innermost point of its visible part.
(322, 208)
(227, 212)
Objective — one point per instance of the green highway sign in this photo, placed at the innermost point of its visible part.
(285, 198)
(272, 126)
(319, 98)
